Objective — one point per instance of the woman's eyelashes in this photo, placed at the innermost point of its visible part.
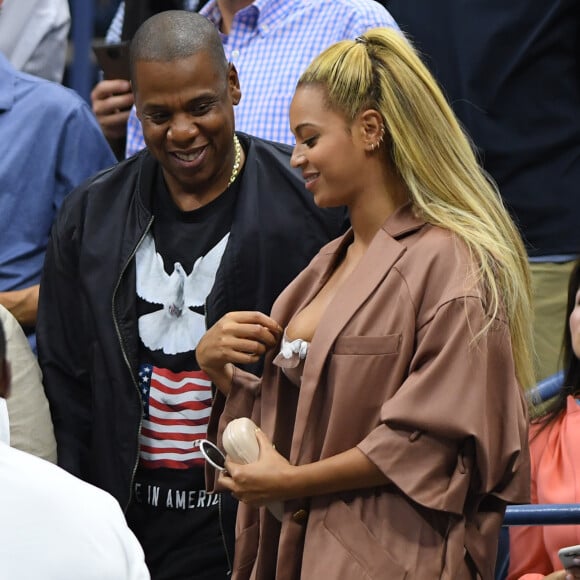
(310, 142)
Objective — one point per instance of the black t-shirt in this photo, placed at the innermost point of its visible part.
(176, 521)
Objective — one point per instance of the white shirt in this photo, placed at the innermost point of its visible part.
(34, 36)
(31, 427)
(54, 526)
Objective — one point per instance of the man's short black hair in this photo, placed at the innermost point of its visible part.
(176, 34)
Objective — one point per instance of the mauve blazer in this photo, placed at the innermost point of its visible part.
(393, 369)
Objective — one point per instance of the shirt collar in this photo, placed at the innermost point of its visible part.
(7, 82)
(265, 12)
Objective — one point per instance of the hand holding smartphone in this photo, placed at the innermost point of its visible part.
(570, 556)
(113, 59)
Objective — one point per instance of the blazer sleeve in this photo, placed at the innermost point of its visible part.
(458, 423)
(241, 402)
(62, 347)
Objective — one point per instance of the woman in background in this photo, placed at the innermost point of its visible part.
(392, 389)
(555, 458)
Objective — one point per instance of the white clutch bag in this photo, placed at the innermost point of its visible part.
(240, 443)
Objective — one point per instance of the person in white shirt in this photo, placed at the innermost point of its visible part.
(30, 421)
(54, 526)
(34, 36)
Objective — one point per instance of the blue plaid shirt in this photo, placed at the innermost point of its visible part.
(271, 42)
(115, 29)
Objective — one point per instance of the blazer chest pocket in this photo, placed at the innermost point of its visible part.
(367, 345)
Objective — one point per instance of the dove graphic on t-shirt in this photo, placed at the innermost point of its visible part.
(174, 328)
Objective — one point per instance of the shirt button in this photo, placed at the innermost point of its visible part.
(300, 516)
(235, 53)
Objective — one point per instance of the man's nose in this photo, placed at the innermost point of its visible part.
(183, 127)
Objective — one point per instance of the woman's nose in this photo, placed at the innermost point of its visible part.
(297, 159)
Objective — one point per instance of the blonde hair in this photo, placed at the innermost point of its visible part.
(380, 70)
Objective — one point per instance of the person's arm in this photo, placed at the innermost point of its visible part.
(48, 60)
(23, 304)
(83, 152)
(237, 338)
(273, 478)
(529, 559)
(62, 345)
(419, 445)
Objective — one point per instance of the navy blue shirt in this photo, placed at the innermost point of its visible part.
(511, 69)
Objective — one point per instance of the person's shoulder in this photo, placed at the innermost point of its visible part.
(437, 263)
(52, 482)
(49, 92)
(274, 157)
(439, 245)
(357, 12)
(260, 146)
(105, 188)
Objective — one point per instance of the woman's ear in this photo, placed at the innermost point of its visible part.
(373, 129)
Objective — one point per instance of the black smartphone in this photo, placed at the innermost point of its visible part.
(113, 59)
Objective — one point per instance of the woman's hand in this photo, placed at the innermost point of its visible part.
(238, 338)
(574, 572)
(261, 481)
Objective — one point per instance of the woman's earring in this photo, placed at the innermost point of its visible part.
(382, 134)
(378, 143)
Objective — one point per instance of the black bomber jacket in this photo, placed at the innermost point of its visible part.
(87, 323)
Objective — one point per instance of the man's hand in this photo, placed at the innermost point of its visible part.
(238, 338)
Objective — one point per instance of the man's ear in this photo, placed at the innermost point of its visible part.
(5, 378)
(234, 84)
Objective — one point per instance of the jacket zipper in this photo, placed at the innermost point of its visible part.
(220, 511)
(126, 358)
(220, 514)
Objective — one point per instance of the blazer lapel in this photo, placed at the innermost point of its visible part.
(383, 253)
(300, 292)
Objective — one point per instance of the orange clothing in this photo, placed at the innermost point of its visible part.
(555, 463)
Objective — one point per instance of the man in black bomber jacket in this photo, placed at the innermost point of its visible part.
(142, 258)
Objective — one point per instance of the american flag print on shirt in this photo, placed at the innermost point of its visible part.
(176, 408)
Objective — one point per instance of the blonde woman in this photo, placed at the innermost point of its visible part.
(393, 425)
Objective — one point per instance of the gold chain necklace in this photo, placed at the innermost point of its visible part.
(237, 159)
